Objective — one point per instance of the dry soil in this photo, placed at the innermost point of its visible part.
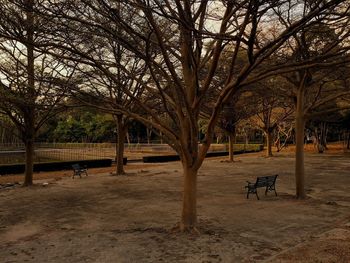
(105, 218)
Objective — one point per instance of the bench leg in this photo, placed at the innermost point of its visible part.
(256, 193)
(253, 192)
(270, 189)
(76, 174)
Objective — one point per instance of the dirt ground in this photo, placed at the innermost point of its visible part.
(104, 218)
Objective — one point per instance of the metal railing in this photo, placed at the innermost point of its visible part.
(45, 152)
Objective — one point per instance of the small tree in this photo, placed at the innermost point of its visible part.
(346, 126)
(272, 106)
(99, 89)
(32, 84)
(316, 86)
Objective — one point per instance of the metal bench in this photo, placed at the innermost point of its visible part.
(78, 170)
(263, 181)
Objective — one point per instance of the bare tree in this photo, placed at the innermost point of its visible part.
(181, 43)
(98, 89)
(345, 125)
(271, 105)
(233, 113)
(32, 84)
(319, 85)
(284, 133)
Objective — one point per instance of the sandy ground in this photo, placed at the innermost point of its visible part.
(104, 218)
(57, 175)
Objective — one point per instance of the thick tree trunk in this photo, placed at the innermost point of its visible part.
(189, 207)
(28, 133)
(29, 161)
(299, 151)
(268, 143)
(231, 138)
(121, 134)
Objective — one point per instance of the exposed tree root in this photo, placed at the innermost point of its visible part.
(27, 184)
(119, 174)
(181, 228)
(229, 161)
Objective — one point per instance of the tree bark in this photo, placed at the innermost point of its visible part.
(231, 138)
(246, 139)
(189, 207)
(268, 133)
(28, 137)
(149, 135)
(29, 160)
(128, 138)
(324, 133)
(299, 151)
(121, 134)
(29, 112)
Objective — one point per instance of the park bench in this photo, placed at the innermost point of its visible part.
(264, 181)
(78, 170)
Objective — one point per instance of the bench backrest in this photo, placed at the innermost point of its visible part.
(266, 181)
(76, 166)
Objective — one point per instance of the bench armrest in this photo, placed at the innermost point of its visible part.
(249, 184)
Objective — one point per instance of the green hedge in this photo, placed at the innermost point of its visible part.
(248, 147)
(54, 166)
(170, 158)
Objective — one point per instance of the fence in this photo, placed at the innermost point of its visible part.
(46, 152)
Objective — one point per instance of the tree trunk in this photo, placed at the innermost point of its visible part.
(231, 138)
(321, 137)
(278, 142)
(324, 135)
(29, 112)
(128, 138)
(348, 141)
(161, 138)
(2, 135)
(268, 143)
(299, 151)
(29, 161)
(121, 134)
(149, 135)
(246, 139)
(189, 207)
